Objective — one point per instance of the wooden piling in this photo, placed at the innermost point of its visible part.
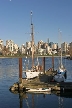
(44, 65)
(52, 62)
(20, 70)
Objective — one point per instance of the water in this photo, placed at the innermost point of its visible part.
(9, 74)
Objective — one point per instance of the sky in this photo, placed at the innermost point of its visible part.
(48, 17)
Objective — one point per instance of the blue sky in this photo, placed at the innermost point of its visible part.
(48, 16)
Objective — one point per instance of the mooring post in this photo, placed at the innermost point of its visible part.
(52, 62)
(44, 65)
(20, 70)
(20, 73)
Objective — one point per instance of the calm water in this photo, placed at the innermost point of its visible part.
(9, 74)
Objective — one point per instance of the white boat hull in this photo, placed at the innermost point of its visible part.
(30, 74)
(39, 90)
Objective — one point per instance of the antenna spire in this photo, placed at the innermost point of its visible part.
(31, 18)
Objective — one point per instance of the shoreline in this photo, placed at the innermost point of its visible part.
(26, 56)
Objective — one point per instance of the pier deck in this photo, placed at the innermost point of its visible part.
(36, 83)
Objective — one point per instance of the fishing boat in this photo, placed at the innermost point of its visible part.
(35, 70)
(61, 73)
(38, 90)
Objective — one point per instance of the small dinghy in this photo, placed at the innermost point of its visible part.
(39, 90)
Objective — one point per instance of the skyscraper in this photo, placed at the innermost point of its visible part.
(48, 40)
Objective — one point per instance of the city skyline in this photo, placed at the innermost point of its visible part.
(48, 16)
(4, 43)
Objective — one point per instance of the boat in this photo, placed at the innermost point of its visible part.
(59, 78)
(38, 90)
(61, 73)
(35, 70)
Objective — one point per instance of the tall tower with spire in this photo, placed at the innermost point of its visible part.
(48, 40)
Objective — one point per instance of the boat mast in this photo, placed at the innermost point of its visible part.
(61, 48)
(32, 36)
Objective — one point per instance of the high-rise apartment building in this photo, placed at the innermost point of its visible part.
(10, 45)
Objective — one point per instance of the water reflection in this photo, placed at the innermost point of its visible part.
(31, 99)
(22, 96)
(9, 74)
(66, 94)
(62, 97)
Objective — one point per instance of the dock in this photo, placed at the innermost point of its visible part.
(36, 83)
(44, 80)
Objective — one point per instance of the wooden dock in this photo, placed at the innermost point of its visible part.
(41, 81)
(36, 83)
